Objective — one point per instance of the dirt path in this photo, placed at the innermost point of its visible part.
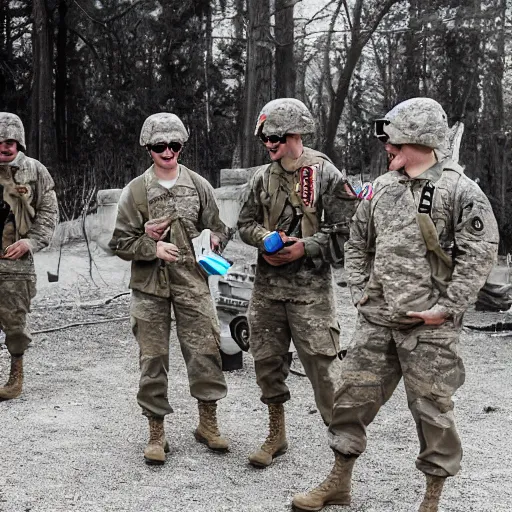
(74, 440)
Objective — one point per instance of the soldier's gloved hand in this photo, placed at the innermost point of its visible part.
(293, 251)
(157, 228)
(167, 252)
(18, 249)
(431, 316)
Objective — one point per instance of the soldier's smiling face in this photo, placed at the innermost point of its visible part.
(8, 150)
(286, 148)
(166, 160)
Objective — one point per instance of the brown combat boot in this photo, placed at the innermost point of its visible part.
(157, 447)
(207, 432)
(433, 492)
(276, 443)
(14, 385)
(334, 490)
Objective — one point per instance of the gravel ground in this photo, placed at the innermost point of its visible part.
(74, 440)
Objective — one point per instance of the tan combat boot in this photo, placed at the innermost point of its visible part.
(276, 443)
(207, 432)
(14, 385)
(334, 490)
(433, 492)
(157, 447)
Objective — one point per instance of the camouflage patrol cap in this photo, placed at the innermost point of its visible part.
(11, 127)
(163, 127)
(415, 121)
(285, 115)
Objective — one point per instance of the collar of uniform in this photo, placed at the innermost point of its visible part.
(431, 174)
(184, 179)
(308, 157)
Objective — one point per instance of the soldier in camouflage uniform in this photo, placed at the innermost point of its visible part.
(158, 214)
(418, 253)
(28, 215)
(306, 198)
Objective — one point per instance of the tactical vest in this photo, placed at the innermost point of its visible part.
(178, 231)
(441, 263)
(297, 188)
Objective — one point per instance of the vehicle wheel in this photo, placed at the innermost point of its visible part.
(240, 332)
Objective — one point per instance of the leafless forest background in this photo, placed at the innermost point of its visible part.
(84, 74)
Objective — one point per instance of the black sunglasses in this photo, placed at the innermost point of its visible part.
(274, 139)
(162, 146)
(379, 129)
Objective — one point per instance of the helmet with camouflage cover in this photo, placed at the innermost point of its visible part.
(285, 115)
(415, 121)
(163, 127)
(11, 127)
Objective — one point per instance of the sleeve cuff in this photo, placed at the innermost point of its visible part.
(440, 308)
(148, 248)
(312, 249)
(31, 244)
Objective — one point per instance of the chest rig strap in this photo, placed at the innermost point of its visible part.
(296, 189)
(426, 199)
(430, 235)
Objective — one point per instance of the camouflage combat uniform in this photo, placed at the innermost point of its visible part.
(158, 286)
(419, 251)
(387, 260)
(296, 300)
(28, 210)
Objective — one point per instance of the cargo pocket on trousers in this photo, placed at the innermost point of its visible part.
(444, 370)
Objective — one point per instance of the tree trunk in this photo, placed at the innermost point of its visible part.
(410, 85)
(285, 61)
(7, 82)
(210, 173)
(61, 82)
(338, 100)
(42, 137)
(258, 79)
(238, 22)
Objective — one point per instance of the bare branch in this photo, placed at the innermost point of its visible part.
(94, 20)
(87, 43)
(126, 11)
(327, 73)
(347, 12)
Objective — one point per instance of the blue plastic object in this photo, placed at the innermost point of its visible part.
(214, 264)
(273, 242)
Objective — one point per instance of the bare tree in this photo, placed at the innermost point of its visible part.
(42, 134)
(258, 76)
(284, 37)
(61, 82)
(363, 21)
